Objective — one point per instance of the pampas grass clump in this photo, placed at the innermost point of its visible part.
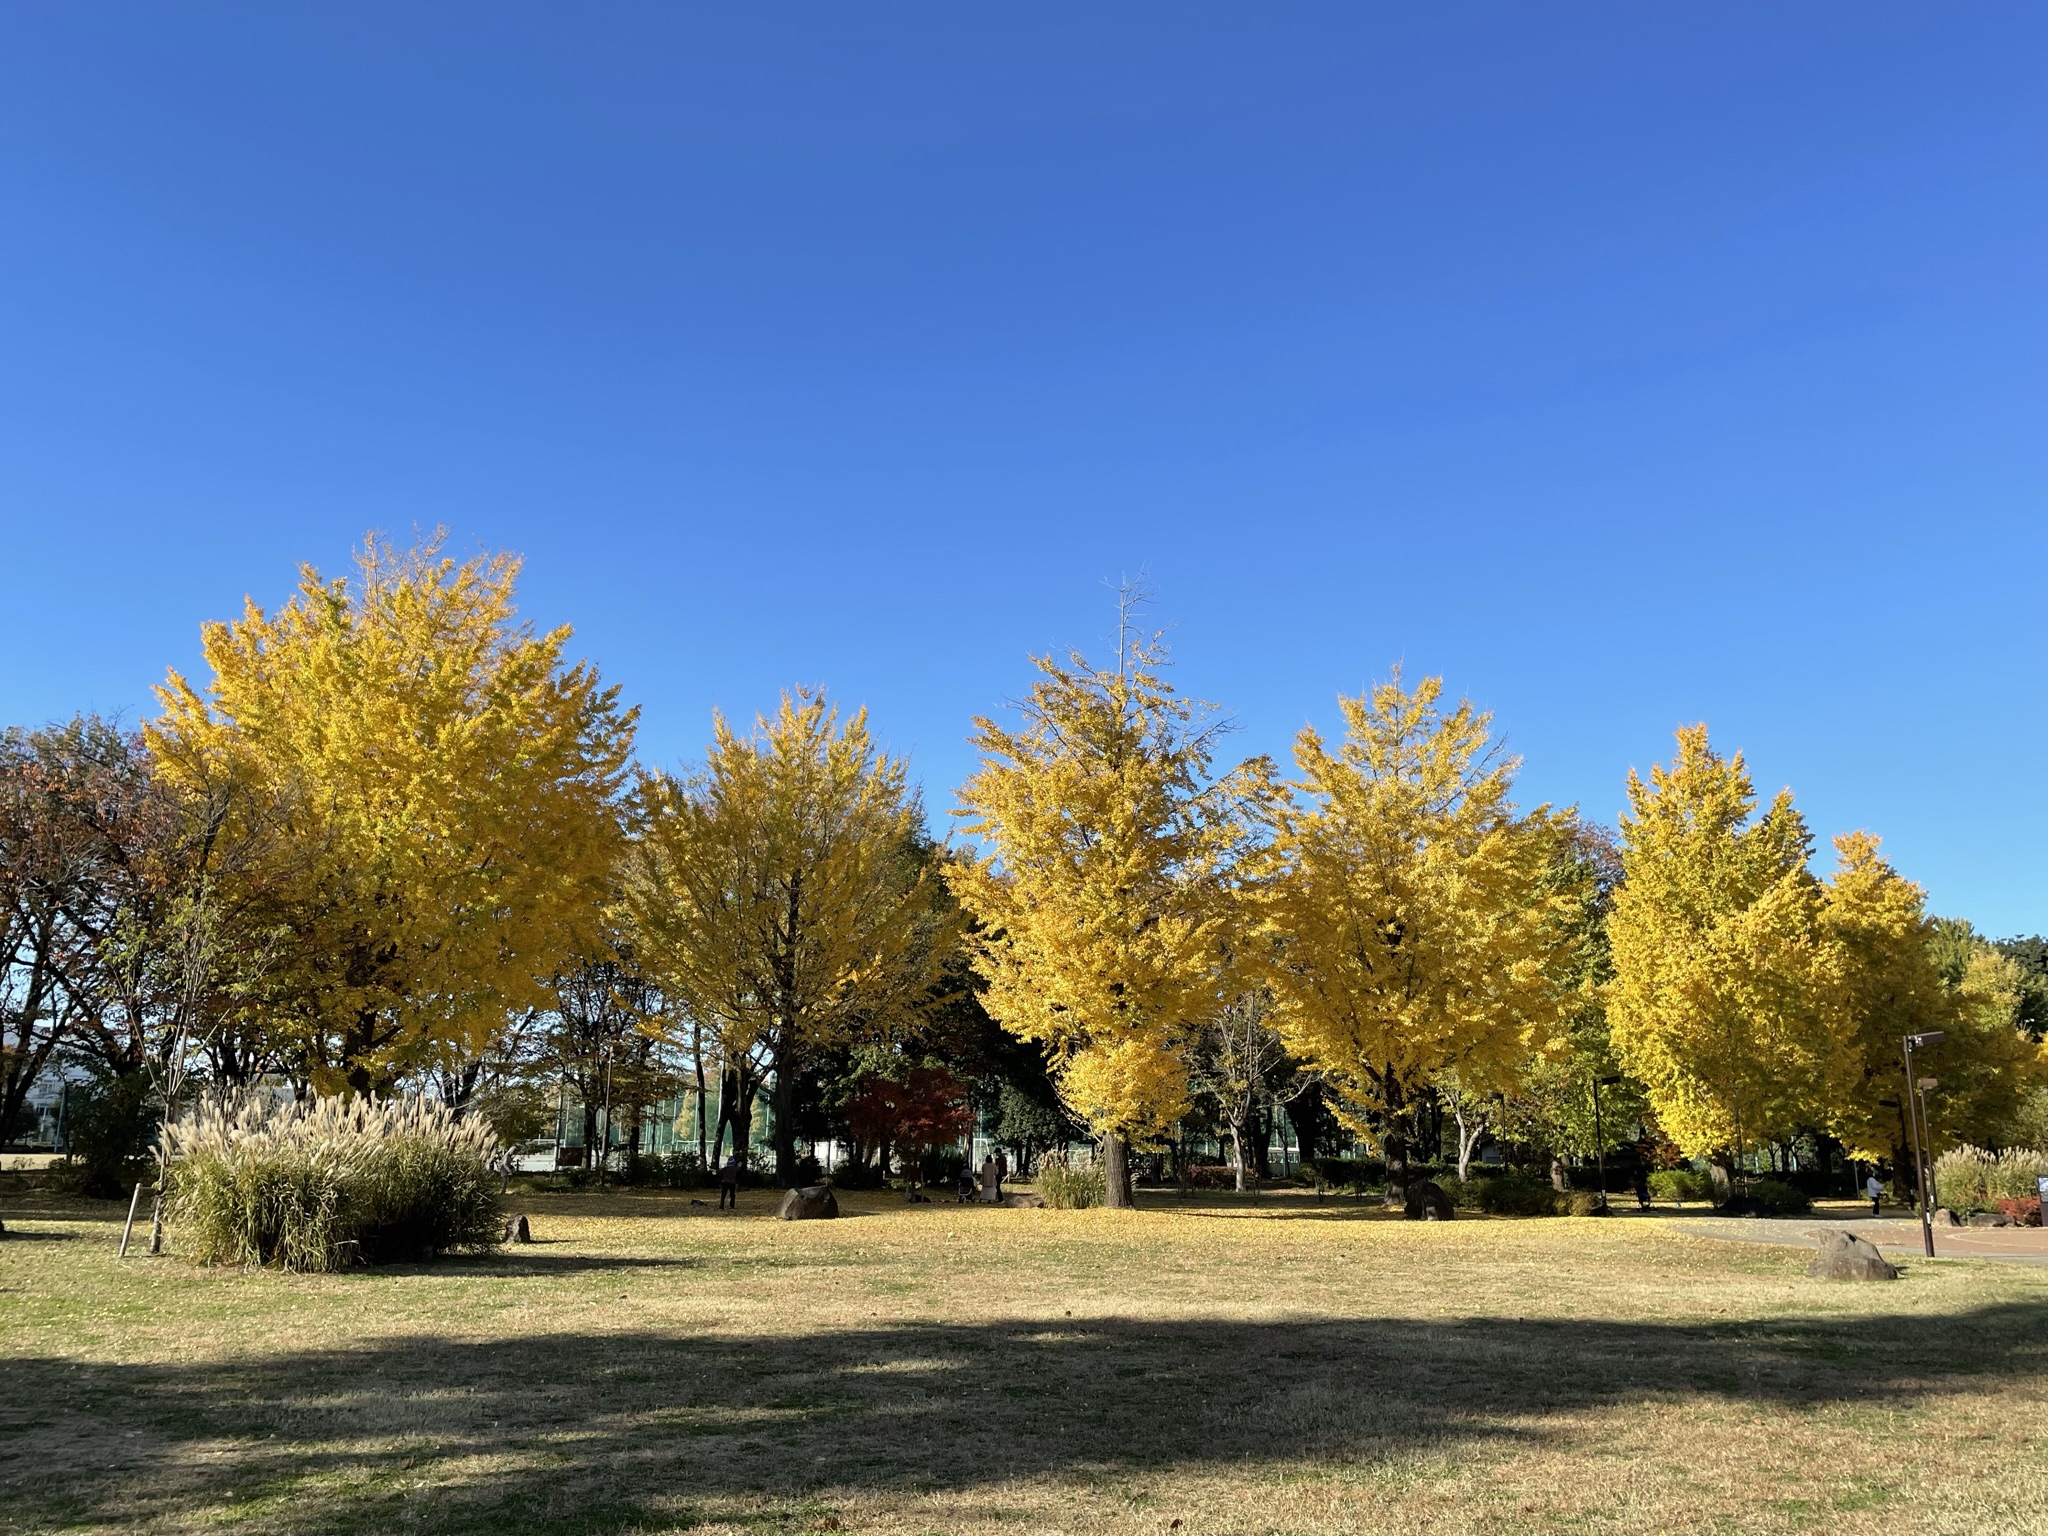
(1970, 1179)
(329, 1183)
(1064, 1187)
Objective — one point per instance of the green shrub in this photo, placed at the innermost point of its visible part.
(1513, 1194)
(1769, 1197)
(1350, 1172)
(1065, 1187)
(322, 1185)
(107, 1138)
(1679, 1185)
(680, 1169)
(1970, 1179)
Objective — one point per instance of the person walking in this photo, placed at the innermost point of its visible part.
(729, 1185)
(1875, 1190)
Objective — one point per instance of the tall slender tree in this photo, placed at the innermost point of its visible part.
(1724, 976)
(786, 900)
(1104, 891)
(1417, 929)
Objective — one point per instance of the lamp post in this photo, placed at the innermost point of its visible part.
(1600, 1138)
(1922, 1142)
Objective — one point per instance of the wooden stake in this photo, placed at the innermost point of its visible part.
(133, 1201)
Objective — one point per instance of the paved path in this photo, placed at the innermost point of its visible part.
(1899, 1235)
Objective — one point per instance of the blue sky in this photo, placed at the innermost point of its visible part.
(1626, 365)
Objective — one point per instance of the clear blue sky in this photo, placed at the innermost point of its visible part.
(1628, 365)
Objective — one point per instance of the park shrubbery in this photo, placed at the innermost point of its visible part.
(112, 1120)
(1066, 1187)
(1970, 1179)
(1771, 1197)
(326, 1184)
(664, 1170)
(1513, 1194)
(1350, 1172)
(1678, 1185)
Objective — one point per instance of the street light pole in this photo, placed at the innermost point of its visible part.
(1922, 1142)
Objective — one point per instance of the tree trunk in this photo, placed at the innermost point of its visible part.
(1237, 1149)
(697, 1067)
(1470, 1134)
(1116, 1173)
(1261, 1122)
(1307, 1114)
(1396, 1139)
(744, 1089)
(783, 1102)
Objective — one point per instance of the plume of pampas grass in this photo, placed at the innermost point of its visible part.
(322, 1184)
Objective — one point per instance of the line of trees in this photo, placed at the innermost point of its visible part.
(397, 840)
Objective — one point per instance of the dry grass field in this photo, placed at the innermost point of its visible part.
(1274, 1366)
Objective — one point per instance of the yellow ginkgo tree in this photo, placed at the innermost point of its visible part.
(1104, 893)
(786, 900)
(1726, 997)
(1417, 927)
(445, 791)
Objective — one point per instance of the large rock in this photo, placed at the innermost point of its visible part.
(1943, 1217)
(1990, 1219)
(1845, 1256)
(1427, 1202)
(1025, 1202)
(517, 1230)
(815, 1202)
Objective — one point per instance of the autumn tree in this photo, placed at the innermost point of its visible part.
(1891, 986)
(1989, 1065)
(1724, 975)
(1549, 1102)
(603, 1035)
(448, 787)
(1104, 890)
(48, 871)
(923, 1109)
(1240, 1060)
(1417, 930)
(785, 900)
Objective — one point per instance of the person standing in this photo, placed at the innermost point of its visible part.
(1875, 1190)
(729, 1185)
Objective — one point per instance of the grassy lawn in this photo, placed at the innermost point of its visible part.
(1221, 1366)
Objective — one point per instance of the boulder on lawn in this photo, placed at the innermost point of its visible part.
(814, 1202)
(517, 1230)
(1845, 1256)
(1025, 1202)
(1944, 1217)
(1991, 1219)
(1428, 1202)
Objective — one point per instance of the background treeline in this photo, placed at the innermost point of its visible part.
(397, 842)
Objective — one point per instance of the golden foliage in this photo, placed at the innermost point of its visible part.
(1104, 896)
(445, 786)
(1418, 928)
(782, 894)
(1722, 968)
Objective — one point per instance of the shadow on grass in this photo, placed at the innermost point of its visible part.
(600, 1431)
